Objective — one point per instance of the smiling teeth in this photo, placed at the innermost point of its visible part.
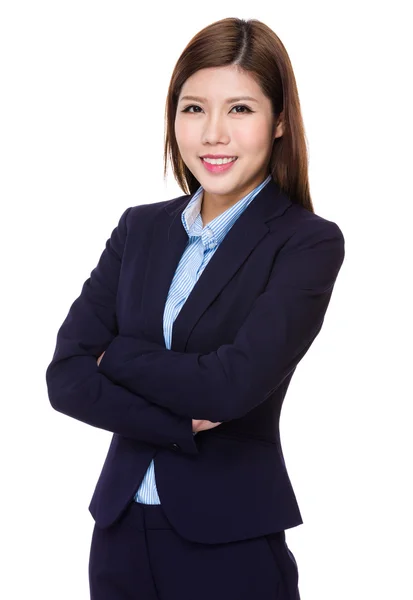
(219, 161)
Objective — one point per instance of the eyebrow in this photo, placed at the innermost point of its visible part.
(228, 100)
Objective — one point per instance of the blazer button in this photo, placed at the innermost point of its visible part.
(175, 446)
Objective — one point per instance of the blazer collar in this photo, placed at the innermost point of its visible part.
(169, 240)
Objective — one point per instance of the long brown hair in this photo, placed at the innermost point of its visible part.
(256, 49)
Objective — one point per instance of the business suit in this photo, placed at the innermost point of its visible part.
(237, 340)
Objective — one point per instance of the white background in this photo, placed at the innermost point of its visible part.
(83, 87)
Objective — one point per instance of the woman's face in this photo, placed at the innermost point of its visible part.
(218, 119)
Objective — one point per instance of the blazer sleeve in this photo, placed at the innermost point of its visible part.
(284, 321)
(76, 386)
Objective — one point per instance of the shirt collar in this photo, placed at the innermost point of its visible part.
(214, 232)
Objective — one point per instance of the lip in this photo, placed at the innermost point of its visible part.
(218, 156)
(218, 168)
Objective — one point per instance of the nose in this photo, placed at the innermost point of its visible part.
(215, 131)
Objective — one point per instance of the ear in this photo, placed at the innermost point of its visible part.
(279, 126)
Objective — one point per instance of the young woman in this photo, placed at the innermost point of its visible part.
(185, 337)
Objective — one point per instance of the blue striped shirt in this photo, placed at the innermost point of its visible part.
(202, 244)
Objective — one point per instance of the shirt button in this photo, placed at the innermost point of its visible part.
(175, 446)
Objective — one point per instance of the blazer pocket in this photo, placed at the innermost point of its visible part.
(241, 438)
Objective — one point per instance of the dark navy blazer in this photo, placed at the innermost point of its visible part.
(249, 320)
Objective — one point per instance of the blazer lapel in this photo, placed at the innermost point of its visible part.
(168, 244)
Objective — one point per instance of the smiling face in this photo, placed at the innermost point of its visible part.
(218, 119)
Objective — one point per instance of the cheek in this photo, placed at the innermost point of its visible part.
(254, 139)
(185, 134)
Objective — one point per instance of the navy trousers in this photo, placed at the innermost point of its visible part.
(141, 557)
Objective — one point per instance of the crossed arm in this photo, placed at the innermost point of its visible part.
(125, 394)
(197, 424)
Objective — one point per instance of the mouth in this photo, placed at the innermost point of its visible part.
(216, 167)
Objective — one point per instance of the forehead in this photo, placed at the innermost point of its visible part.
(221, 82)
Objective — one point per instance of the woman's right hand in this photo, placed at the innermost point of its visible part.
(203, 425)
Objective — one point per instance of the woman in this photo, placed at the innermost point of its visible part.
(185, 337)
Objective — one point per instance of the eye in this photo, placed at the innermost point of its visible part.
(242, 106)
(188, 107)
(248, 110)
